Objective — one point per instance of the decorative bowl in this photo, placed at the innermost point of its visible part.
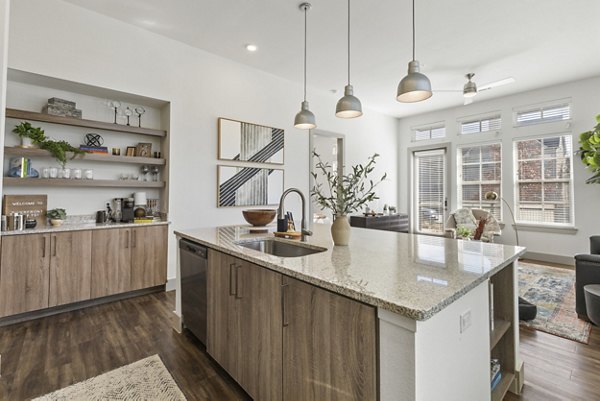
(56, 222)
(259, 217)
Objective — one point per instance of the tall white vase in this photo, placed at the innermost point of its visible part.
(340, 230)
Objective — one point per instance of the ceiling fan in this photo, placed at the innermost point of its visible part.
(470, 89)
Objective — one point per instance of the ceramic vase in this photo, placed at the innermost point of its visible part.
(340, 230)
(26, 142)
(56, 222)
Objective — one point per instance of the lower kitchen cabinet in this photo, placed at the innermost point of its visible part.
(111, 262)
(244, 324)
(329, 346)
(43, 270)
(283, 339)
(148, 256)
(38, 271)
(24, 273)
(70, 267)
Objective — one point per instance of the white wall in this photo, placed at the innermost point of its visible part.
(585, 106)
(57, 39)
(4, 31)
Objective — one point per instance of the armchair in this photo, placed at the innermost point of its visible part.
(472, 217)
(587, 271)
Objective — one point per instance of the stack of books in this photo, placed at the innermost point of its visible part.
(495, 373)
(103, 150)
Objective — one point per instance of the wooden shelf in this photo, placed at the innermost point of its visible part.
(500, 328)
(48, 118)
(34, 152)
(502, 387)
(61, 182)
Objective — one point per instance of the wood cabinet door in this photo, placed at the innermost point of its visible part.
(148, 256)
(223, 331)
(258, 292)
(24, 273)
(70, 267)
(329, 346)
(111, 262)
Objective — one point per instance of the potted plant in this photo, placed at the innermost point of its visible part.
(590, 151)
(36, 136)
(463, 232)
(29, 134)
(344, 194)
(56, 216)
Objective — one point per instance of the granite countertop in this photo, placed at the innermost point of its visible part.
(79, 226)
(413, 275)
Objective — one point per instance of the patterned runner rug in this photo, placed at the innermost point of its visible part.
(552, 290)
(146, 379)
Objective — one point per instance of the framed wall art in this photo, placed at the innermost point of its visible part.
(248, 186)
(247, 142)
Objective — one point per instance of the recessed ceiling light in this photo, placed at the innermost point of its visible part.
(251, 47)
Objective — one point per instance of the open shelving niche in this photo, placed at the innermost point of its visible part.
(503, 345)
(27, 92)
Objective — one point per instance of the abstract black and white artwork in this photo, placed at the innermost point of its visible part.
(248, 186)
(241, 141)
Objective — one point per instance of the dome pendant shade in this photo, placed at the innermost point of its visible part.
(305, 119)
(415, 86)
(348, 106)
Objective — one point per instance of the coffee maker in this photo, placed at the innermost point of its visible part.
(127, 213)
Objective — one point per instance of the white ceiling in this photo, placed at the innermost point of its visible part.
(538, 42)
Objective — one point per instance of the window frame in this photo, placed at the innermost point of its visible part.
(542, 180)
(428, 127)
(542, 106)
(460, 181)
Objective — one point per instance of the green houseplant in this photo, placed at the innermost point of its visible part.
(344, 194)
(36, 135)
(589, 151)
(56, 216)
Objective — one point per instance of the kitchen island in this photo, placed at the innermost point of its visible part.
(431, 297)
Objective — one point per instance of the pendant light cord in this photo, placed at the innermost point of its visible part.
(348, 42)
(305, 11)
(413, 26)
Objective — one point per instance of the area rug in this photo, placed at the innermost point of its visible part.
(146, 379)
(552, 290)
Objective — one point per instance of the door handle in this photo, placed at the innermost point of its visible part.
(43, 246)
(54, 242)
(238, 288)
(127, 240)
(284, 291)
(231, 279)
(133, 238)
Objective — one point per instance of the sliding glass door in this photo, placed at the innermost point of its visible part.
(429, 194)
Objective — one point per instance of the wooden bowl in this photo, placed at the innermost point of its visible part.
(259, 217)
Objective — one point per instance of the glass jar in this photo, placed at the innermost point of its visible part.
(88, 174)
(77, 173)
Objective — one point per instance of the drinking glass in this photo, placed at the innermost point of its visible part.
(145, 170)
(139, 111)
(53, 172)
(155, 170)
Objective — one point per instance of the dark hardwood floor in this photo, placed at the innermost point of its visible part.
(46, 354)
(50, 353)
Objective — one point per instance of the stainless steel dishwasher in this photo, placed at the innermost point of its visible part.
(193, 267)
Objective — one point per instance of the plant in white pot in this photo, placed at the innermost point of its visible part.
(344, 194)
(56, 216)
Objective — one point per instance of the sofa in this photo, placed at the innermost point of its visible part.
(587, 271)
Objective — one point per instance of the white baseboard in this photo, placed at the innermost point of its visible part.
(171, 284)
(546, 257)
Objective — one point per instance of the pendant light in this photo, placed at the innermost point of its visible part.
(348, 106)
(305, 119)
(414, 87)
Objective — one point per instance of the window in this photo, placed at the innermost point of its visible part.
(434, 131)
(544, 180)
(493, 123)
(480, 171)
(543, 113)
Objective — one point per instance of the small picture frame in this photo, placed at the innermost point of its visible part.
(130, 151)
(143, 150)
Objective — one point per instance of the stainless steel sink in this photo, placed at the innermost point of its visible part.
(280, 248)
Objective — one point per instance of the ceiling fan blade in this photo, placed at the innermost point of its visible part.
(495, 84)
(448, 90)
